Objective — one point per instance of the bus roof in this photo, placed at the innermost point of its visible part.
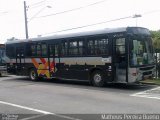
(69, 35)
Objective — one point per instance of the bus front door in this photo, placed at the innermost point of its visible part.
(20, 60)
(120, 60)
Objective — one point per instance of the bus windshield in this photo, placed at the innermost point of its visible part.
(141, 51)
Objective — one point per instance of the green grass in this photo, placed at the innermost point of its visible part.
(152, 81)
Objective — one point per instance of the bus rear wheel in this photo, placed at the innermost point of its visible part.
(33, 75)
(97, 79)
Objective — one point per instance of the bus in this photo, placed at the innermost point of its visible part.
(3, 69)
(115, 55)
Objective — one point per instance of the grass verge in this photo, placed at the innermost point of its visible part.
(151, 81)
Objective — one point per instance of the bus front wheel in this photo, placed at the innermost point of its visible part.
(97, 79)
(33, 75)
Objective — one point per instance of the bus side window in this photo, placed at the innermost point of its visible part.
(91, 47)
(98, 45)
(44, 50)
(80, 48)
(51, 49)
(54, 50)
(103, 46)
(39, 52)
(33, 50)
(73, 48)
(64, 46)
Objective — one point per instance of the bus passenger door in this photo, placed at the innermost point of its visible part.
(20, 59)
(120, 60)
(53, 59)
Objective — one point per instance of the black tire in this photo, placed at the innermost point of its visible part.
(97, 79)
(33, 75)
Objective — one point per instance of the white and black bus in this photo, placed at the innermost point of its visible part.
(119, 55)
(3, 68)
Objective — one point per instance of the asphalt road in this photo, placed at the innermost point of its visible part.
(70, 99)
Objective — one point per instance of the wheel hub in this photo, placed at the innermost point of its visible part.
(97, 78)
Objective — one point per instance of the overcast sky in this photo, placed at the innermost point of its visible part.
(42, 21)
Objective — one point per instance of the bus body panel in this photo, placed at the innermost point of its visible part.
(77, 56)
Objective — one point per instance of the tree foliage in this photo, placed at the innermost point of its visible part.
(156, 39)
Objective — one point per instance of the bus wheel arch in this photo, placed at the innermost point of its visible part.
(97, 77)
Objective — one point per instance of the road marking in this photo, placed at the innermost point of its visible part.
(33, 117)
(148, 93)
(37, 110)
(27, 108)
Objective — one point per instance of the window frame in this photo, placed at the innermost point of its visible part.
(36, 50)
(96, 45)
(54, 53)
(78, 47)
(63, 51)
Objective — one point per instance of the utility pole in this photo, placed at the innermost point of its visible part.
(136, 16)
(25, 18)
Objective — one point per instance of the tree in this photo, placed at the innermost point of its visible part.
(156, 43)
(156, 40)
